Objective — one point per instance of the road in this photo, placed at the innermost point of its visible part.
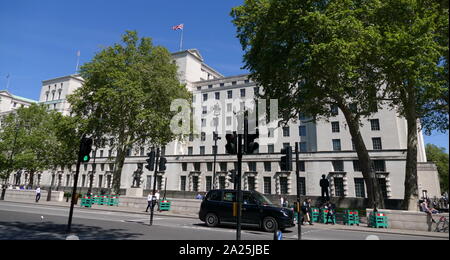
(38, 222)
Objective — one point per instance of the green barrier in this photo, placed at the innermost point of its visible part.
(351, 217)
(86, 202)
(113, 201)
(324, 217)
(96, 200)
(378, 220)
(315, 212)
(164, 205)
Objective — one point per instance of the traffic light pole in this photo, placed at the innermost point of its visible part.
(297, 172)
(72, 203)
(239, 188)
(154, 186)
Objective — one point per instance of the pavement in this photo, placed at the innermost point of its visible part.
(317, 226)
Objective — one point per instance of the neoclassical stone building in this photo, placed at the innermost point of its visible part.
(325, 146)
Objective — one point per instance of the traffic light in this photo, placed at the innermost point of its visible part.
(151, 161)
(85, 150)
(231, 146)
(286, 160)
(250, 145)
(216, 136)
(162, 164)
(232, 176)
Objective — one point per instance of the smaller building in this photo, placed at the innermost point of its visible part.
(10, 102)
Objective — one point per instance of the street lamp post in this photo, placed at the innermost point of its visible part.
(215, 137)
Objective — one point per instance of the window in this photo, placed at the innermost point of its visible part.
(283, 185)
(383, 186)
(270, 148)
(334, 110)
(214, 149)
(205, 97)
(184, 167)
(217, 95)
(100, 181)
(230, 94)
(338, 166)
(339, 187)
(194, 183)
(230, 107)
(243, 92)
(271, 132)
(229, 196)
(197, 166)
(356, 166)
(303, 147)
(222, 84)
(210, 86)
(183, 183)
(234, 83)
(360, 191)
(108, 181)
(256, 91)
(302, 186)
(203, 136)
(229, 120)
(209, 166)
(286, 145)
(335, 127)
(251, 183)
(286, 131)
(208, 183)
(252, 166)
(301, 166)
(302, 130)
(376, 142)
(336, 144)
(203, 122)
(267, 185)
(379, 165)
(204, 110)
(190, 150)
(375, 124)
(222, 182)
(267, 166)
(83, 180)
(223, 166)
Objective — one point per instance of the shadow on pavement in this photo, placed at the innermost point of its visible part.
(50, 231)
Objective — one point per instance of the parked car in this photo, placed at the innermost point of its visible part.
(217, 208)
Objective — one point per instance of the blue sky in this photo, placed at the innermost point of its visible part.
(39, 39)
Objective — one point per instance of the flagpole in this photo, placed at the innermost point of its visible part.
(181, 41)
(78, 62)
(7, 82)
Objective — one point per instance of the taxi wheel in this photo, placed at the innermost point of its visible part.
(211, 220)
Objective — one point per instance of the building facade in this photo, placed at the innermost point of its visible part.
(325, 146)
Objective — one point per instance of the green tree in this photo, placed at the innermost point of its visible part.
(312, 55)
(438, 156)
(27, 135)
(413, 58)
(127, 95)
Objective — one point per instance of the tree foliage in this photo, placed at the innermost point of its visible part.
(311, 55)
(34, 139)
(438, 156)
(127, 94)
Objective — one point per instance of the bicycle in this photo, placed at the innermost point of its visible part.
(442, 225)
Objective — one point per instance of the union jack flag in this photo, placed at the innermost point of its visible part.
(178, 27)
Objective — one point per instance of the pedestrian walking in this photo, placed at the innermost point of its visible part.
(331, 207)
(306, 210)
(157, 199)
(38, 194)
(149, 202)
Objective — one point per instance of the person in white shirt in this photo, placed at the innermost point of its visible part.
(149, 201)
(157, 198)
(38, 194)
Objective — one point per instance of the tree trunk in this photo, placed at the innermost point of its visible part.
(374, 194)
(411, 198)
(120, 160)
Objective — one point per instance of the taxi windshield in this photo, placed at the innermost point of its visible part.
(261, 199)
